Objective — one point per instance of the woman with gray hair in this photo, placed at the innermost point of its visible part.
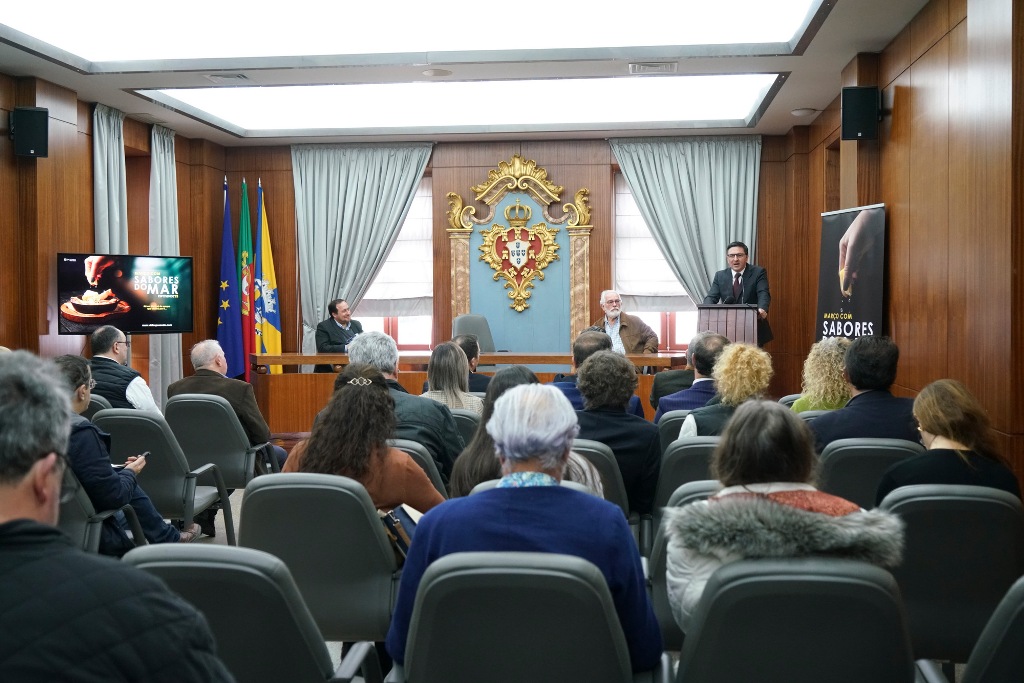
(533, 427)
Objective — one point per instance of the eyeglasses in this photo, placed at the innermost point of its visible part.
(92, 384)
(613, 301)
(125, 342)
(735, 255)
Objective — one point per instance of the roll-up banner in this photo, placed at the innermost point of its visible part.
(851, 273)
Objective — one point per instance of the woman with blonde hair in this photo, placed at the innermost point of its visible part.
(448, 378)
(741, 373)
(824, 385)
(960, 441)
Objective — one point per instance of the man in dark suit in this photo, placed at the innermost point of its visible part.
(334, 334)
(702, 354)
(586, 345)
(743, 283)
(470, 344)
(870, 369)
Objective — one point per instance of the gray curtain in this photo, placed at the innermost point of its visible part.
(164, 349)
(110, 187)
(350, 201)
(696, 194)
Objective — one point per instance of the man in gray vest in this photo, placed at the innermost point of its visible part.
(115, 381)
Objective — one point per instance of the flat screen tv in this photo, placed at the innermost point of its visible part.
(136, 294)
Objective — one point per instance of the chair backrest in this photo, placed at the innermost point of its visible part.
(421, 455)
(964, 549)
(603, 459)
(998, 656)
(208, 430)
(657, 564)
(800, 621)
(852, 468)
(470, 323)
(467, 421)
(809, 415)
(96, 404)
(78, 516)
(325, 528)
(669, 426)
(687, 459)
(263, 629)
(455, 633)
(789, 399)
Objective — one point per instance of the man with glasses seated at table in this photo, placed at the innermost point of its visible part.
(629, 333)
(115, 381)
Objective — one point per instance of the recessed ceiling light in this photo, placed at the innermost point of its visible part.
(435, 73)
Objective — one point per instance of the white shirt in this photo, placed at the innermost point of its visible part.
(139, 395)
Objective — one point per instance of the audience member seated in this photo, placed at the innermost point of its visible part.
(470, 345)
(350, 439)
(480, 463)
(533, 427)
(742, 373)
(109, 489)
(607, 380)
(448, 378)
(701, 354)
(869, 367)
(668, 382)
(417, 418)
(768, 508)
(115, 381)
(67, 615)
(587, 344)
(960, 441)
(824, 386)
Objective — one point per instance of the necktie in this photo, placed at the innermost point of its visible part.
(737, 291)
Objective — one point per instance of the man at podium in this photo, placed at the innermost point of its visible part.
(743, 283)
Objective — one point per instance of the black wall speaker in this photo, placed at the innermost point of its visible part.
(861, 107)
(30, 131)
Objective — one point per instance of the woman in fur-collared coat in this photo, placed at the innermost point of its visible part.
(768, 508)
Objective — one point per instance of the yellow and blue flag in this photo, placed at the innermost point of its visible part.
(229, 319)
(268, 314)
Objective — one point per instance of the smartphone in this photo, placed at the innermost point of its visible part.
(122, 465)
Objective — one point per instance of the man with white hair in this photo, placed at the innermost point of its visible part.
(533, 427)
(629, 333)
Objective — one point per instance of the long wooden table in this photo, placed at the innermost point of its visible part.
(291, 399)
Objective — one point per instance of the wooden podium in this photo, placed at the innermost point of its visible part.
(737, 322)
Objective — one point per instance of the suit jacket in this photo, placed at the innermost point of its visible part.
(637, 448)
(567, 385)
(755, 291)
(669, 382)
(691, 398)
(636, 335)
(875, 414)
(238, 393)
(332, 339)
(429, 423)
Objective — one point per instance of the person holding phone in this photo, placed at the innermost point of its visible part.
(109, 488)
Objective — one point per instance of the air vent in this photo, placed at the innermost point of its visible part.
(227, 79)
(146, 118)
(651, 68)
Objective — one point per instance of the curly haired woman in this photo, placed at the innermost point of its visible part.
(824, 385)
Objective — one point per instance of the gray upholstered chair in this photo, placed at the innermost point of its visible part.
(467, 421)
(421, 455)
(167, 478)
(514, 617)
(802, 620)
(96, 404)
(964, 549)
(669, 426)
(326, 529)
(810, 415)
(687, 459)
(469, 323)
(852, 468)
(789, 399)
(657, 565)
(80, 521)
(263, 629)
(602, 458)
(208, 430)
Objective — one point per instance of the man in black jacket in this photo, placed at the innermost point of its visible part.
(334, 334)
(67, 615)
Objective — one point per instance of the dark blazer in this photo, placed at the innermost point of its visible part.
(427, 422)
(876, 414)
(238, 393)
(332, 339)
(637, 448)
(697, 396)
(755, 291)
(669, 382)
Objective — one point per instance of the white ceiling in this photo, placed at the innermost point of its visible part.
(813, 80)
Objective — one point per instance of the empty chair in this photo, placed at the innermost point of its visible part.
(208, 430)
(326, 529)
(167, 478)
(789, 399)
(602, 458)
(964, 549)
(669, 426)
(421, 455)
(687, 459)
(852, 468)
(467, 422)
(798, 620)
(79, 519)
(96, 404)
(263, 629)
(557, 623)
(656, 566)
(469, 323)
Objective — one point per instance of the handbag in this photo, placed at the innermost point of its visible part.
(400, 525)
